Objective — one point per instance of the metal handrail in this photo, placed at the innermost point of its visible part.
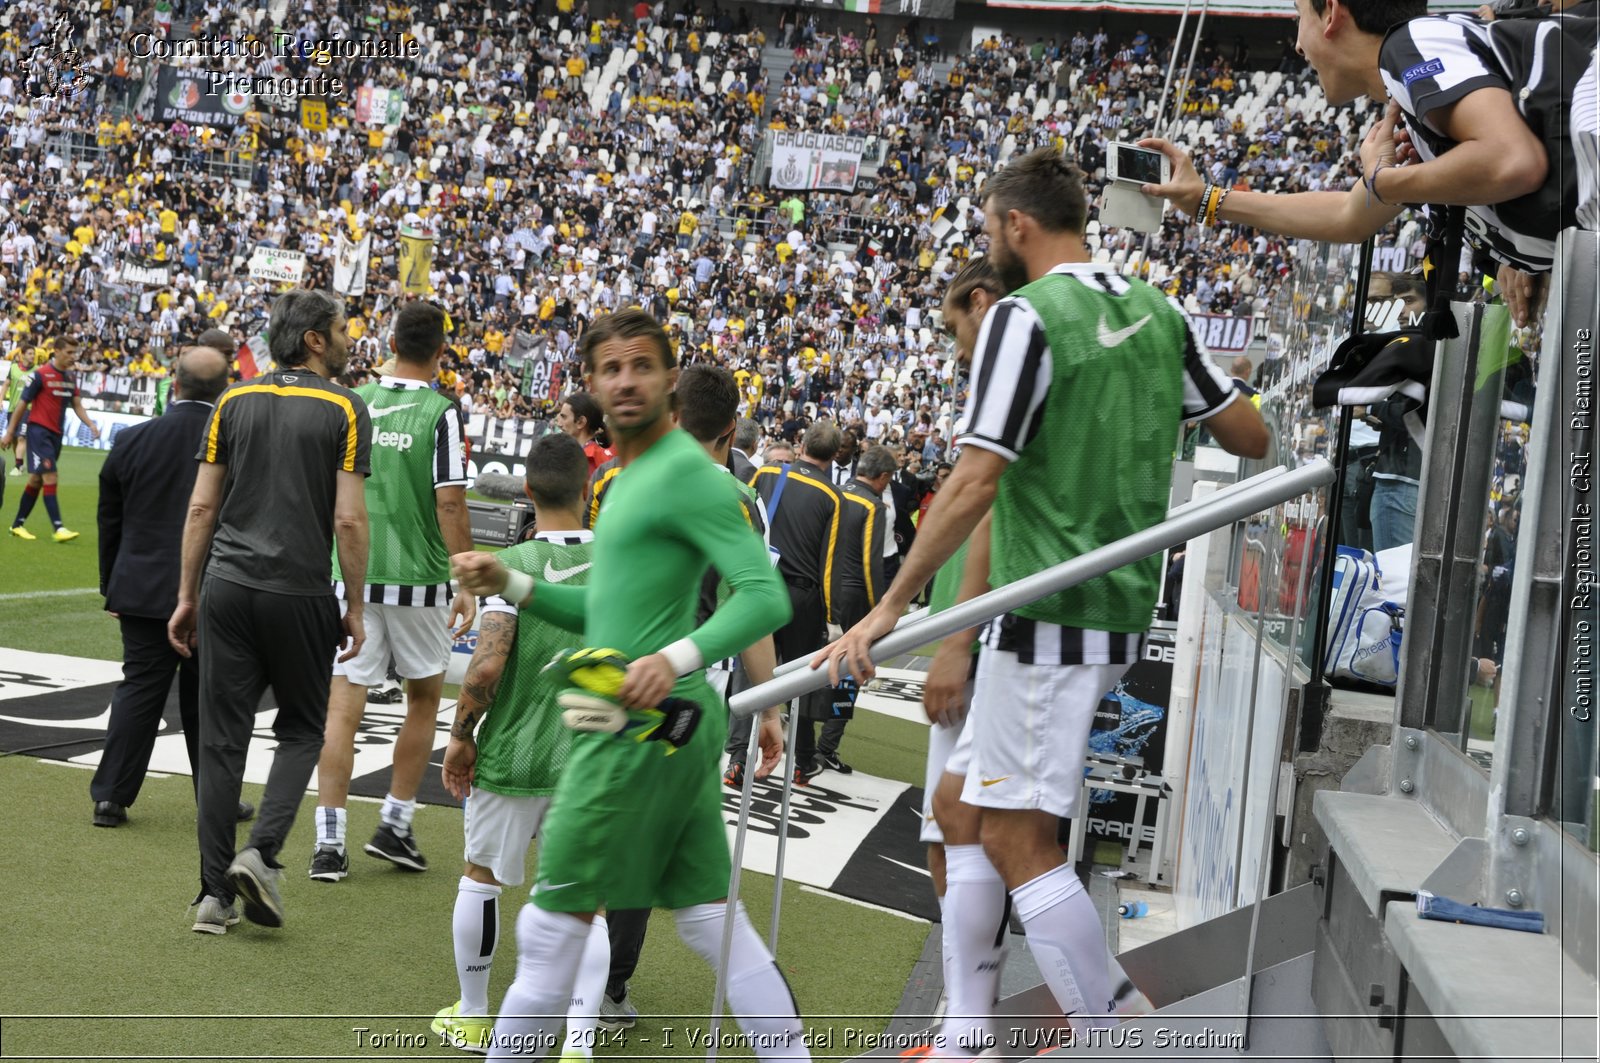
(1215, 512)
(916, 616)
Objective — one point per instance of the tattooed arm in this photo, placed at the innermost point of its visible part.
(497, 631)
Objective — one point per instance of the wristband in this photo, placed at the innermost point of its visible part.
(684, 656)
(1200, 207)
(1372, 182)
(1222, 197)
(519, 588)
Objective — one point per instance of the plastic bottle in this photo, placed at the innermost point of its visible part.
(1133, 910)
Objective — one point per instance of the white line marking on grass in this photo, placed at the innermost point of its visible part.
(23, 595)
(862, 904)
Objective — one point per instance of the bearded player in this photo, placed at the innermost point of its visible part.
(632, 827)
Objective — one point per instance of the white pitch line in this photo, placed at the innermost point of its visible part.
(862, 904)
(22, 595)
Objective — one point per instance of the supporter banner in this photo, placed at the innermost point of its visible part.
(130, 273)
(1224, 334)
(521, 347)
(497, 441)
(416, 258)
(116, 299)
(350, 264)
(907, 8)
(314, 115)
(182, 95)
(277, 264)
(76, 434)
(376, 106)
(814, 160)
(543, 376)
(1256, 8)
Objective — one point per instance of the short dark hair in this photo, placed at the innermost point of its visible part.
(1376, 16)
(822, 441)
(297, 312)
(418, 332)
(195, 383)
(558, 469)
(218, 340)
(877, 461)
(978, 273)
(585, 407)
(628, 324)
(1042, 184)
(708, 399)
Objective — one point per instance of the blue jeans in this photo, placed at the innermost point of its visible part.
(1394, 513)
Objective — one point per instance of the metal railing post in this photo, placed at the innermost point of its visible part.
(1215, 512)
(916, 616)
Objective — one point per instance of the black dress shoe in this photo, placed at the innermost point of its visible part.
(247, 811)
(109, 814)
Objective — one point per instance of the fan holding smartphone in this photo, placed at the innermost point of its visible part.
(1129, 168)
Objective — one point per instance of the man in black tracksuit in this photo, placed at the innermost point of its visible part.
(805, 530)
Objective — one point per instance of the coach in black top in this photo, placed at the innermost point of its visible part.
(282, 472)
(804, 528)
(144, 491)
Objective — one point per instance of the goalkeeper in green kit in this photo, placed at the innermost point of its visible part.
(630, 825)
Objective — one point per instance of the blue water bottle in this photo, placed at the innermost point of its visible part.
(1133, 910)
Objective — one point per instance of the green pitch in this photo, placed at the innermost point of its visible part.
(49, 591)
(112, 970)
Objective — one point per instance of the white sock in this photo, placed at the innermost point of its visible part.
(583, 1014)
(1067, 940)
(549, 949)
(397, 813)
(476, 931)
(757, 992)
(975, 908)
(330, 828)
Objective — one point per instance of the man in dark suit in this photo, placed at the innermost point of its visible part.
(746, 434)
(144, 497)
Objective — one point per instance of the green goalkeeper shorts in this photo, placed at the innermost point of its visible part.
(631, 827)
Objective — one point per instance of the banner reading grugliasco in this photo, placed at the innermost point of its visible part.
(815, 160)
(416, 259)
(181, 95)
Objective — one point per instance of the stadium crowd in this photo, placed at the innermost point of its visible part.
(571, 159)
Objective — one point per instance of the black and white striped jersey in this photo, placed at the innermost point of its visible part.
(1431, 63)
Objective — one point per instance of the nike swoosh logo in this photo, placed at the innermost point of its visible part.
(387, 410)
(991, 782)
(551, 888)
(556, 575)
(1112, 339)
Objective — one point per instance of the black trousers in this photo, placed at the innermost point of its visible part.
(626, 927)
(804, 634)
(149, 664)
(253, 639)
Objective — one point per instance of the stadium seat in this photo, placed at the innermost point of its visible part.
(563, 39)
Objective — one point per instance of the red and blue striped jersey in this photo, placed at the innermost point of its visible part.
(49, 392)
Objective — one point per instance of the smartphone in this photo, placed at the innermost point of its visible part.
(1143, 166)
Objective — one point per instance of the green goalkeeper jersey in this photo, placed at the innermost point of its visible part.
(669, 515)
(523, 743)
(417, 448)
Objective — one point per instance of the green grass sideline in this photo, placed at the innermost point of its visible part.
(107, 908)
